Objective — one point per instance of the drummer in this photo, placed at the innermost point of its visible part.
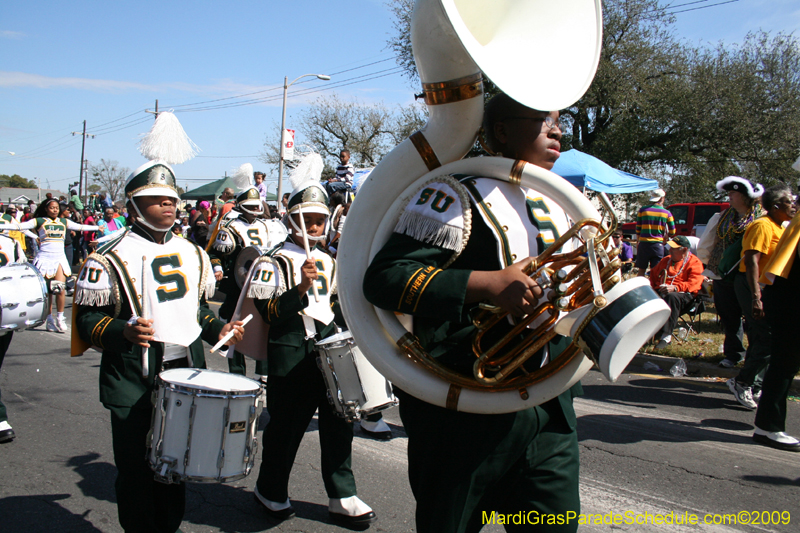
(10, 252)
(109, 295)
(242, 227)
(297, 316)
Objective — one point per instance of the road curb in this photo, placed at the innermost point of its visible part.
(697, 368)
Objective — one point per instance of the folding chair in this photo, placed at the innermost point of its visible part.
(687, 319)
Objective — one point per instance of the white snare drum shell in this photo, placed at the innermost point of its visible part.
(204, 425)
(23, 297)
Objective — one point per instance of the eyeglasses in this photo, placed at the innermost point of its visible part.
(549, 121)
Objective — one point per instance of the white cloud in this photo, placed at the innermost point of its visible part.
(8, 34)
(23, 79)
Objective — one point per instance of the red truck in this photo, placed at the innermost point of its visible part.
(690, 218)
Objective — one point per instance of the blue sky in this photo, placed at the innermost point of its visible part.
(106, 62)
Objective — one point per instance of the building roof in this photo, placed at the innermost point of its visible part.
(18, 195)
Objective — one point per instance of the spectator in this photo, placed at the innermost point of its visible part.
(678, 278)
(625, 251)
(655, 225)
(87, 238)
(759, 241)
(105, 201)
(200, 225)
(343, 180)
(110, 222)
(260, 185)
(69, 236)
(26, 214)
(285, 201)
(75, 201)
(720, 249)
(780, 296)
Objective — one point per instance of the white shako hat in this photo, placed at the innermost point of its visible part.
(742, 185)
(165, 144)
(308, 193)
(245, 190)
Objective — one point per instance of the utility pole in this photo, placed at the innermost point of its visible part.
(153, 112)
(81, 190)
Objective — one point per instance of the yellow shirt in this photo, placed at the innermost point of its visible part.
(762, 236)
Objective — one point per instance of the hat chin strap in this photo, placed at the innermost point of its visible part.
(300, 231)
(254, 213)
(142, 221)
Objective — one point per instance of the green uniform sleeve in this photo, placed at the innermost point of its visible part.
(406, 277)
(97, 327)
(210, 324)
(275, 311)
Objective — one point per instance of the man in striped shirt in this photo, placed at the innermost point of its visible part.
(655, 226)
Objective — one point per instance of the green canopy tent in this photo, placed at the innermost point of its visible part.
(214, 189)
(209, 190)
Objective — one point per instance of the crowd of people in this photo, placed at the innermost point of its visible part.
(736, 256)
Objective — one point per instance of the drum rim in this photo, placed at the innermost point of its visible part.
(205, 392)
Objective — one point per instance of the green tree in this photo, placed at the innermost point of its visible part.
(16, 181)
(684, 115)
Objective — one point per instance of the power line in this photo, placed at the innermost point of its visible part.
(277, 88)
(318, 88)
(703, 7)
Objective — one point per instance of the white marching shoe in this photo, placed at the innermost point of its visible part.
(350, 512)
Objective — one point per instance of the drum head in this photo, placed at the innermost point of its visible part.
(208, 380)
(244, 261)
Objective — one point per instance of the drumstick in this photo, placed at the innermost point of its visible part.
(145, 351)
(230, 334)
(308, 250)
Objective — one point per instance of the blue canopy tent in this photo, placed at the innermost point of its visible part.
(586, 171)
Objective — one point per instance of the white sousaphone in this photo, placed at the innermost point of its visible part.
(450, 38)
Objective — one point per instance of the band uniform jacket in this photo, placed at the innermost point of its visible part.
(99, 320)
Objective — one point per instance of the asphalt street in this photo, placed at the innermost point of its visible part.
(649, 444)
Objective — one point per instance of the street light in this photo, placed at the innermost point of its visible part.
(286, 86)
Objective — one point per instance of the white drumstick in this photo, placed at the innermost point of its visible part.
(145, 351)
(230, 334)
(308, 250)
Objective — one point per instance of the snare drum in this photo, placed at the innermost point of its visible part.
(23, 297)
(203, 426)
(355, 388)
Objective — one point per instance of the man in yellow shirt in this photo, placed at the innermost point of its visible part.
(759, 242)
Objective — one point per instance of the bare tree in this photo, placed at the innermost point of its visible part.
(369, 131)
(109, 176)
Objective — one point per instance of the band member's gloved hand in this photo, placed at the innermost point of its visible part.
(218, 275)
(308, 275)
(510, 289)
(139, 332)
(238, 330)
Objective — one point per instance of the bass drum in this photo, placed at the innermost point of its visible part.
(23, 297)
(277, 232)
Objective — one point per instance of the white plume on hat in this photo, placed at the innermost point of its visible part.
(166, 141)
(243, 178)
(308, 170)
(754, 190)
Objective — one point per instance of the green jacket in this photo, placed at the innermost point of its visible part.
(121, 381)
(406, 276)
(288, 345)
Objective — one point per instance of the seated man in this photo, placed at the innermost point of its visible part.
(625, 251)
(678, 277)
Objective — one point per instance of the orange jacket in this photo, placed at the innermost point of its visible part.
(689, 280)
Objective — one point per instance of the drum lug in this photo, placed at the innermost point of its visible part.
(221, 459)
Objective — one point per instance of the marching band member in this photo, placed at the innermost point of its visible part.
(10, 252)
(296, 389)
(242, 227)
(110, 300)
(462, 464)
(52, 260)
